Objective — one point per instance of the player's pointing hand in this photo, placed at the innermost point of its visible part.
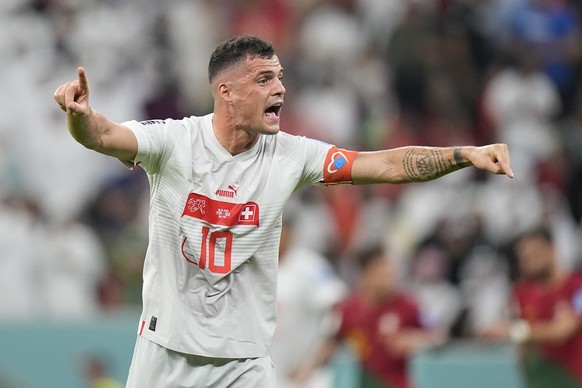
(493, 158)
(73, 97)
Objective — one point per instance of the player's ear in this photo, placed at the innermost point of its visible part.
(224, 91)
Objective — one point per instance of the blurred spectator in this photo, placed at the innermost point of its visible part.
(549, 32)
(96, 374)
(571, 136)
(308, 289)
(566, 237)
(521, 103)
(313, 223)
(548, 325)
(439, 299)
(72, 265)
(47, 269)
(270, 19)
(372, 219)
(381, 323)
(117, 214)
(193, 28)
(459, 253)
(331, 107)
(484, 284)
(22, 238)
(410, 54)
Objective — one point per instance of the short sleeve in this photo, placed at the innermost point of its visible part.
(326, 164)
(315, 152)
(154, 142)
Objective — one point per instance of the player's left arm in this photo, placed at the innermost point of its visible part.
(420, 164)
(557, 331)
(565, 323)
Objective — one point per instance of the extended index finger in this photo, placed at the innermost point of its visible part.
(83, 80)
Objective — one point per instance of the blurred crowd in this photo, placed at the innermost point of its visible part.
(361, 74)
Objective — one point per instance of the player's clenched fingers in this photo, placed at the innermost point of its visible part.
(493, 167)
(71, 92)
(499, 162)
(59, 97)
(503, 159)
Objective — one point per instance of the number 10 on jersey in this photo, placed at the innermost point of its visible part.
(208, 251)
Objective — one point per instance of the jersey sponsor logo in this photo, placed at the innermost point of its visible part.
(152, 122)
(230, 192)
(221, 213)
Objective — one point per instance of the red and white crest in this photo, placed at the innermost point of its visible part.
(195, 204)
(248, 213)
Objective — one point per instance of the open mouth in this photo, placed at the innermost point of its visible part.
(272, 111)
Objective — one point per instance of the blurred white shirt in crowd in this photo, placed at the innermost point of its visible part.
(308, 288)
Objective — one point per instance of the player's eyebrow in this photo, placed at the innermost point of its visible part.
(269, 73)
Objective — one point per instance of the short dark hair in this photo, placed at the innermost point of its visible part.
(540, 232)
(369, 255)
(236, 49)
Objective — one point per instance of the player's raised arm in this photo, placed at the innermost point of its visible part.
(91, 128)
(419, 164)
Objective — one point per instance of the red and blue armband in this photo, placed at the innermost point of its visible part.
(337, 168)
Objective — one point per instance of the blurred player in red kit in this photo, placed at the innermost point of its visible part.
(218, 186)
(548, 302)
(381, 324)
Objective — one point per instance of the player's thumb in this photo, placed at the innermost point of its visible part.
(76, 109)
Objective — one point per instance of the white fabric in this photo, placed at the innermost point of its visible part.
(522, 106)
(154, 366)
(234, 212)
(307, 291)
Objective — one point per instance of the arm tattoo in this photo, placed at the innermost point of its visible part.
(425, 164)
(408, 164)
(458, 157)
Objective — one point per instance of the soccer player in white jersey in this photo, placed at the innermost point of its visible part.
(218, 187)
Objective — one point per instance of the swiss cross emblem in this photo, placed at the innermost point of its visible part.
(247, 214)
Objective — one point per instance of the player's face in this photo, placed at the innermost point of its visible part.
(379, 276)
(535, 258)
(257, 95)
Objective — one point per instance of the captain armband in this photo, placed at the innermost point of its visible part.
(337, 168)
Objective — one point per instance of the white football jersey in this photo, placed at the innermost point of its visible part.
(210, 272)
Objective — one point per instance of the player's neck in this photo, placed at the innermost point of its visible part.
(233, 139)
(374, 297)
(554, 277)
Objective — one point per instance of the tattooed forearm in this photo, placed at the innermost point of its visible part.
(458, 157)
(408, 163)
(459, 161)
(424, 164)
(440, 164)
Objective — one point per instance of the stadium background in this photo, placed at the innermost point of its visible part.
(363, 74)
